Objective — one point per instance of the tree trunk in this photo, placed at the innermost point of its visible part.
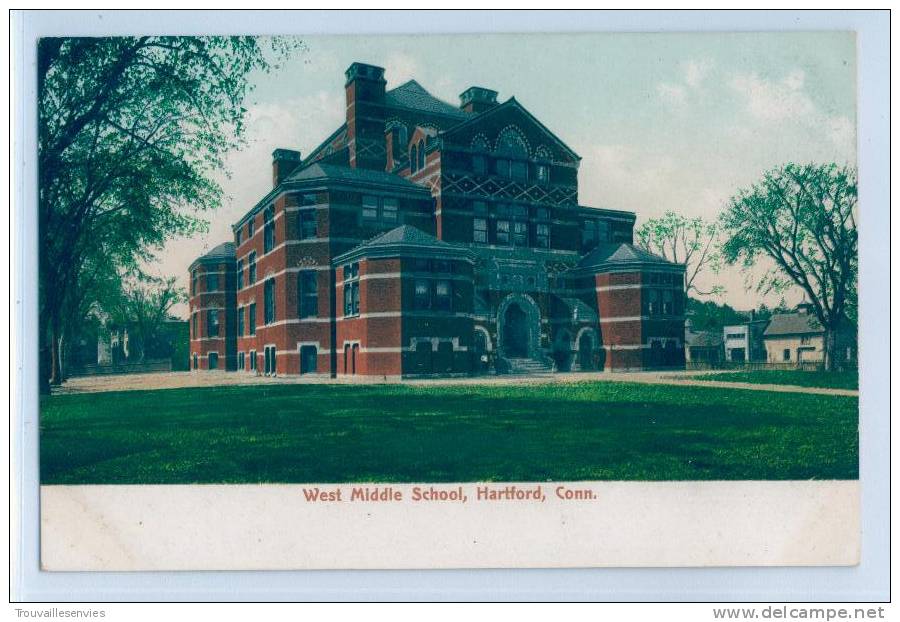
(828, 346)
(55, 353)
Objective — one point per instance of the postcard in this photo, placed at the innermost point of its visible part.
(448, 301)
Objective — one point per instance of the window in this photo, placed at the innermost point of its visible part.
(414, 158)
(212, 281)
(270, 356)
(308, 224)
(370, 208)
(308, 293)
(441, 265)
(351, 289)
(212, 323)
(421, 155)
(196, 362)
(308, 359)
(652, 302)
(502, 231)
(240, 321)
(389, 211)
(667, 302)
(250, 227)
(195, 277)
(194, 327)
(269, 301)
(253, 360)
(251, 319)
(214, 360)
(479, 164)
(269, 229)
(240, 273)
(602, 231)
(541, 213)
(542, 235)
(422, 298)
(589, 234)
(237, 237)
(442, 297)
(308, 199)
(479, 231)
(502, 168)
(251, 268)
(786, 355)
(520, 233)
(241, 360)
(542, 173)
(518, 170)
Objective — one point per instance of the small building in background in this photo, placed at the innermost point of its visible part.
(744, 342)
(703, 346)
(798, 338)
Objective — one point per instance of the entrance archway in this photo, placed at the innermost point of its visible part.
(515, 332)
(586, 351)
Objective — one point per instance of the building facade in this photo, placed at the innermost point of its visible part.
(798, 338)
(425, 239)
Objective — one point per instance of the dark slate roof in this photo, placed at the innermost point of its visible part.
(405, 239)
(792, 324)
(332, 172)
(223, 251)
(615, 254)
(411, 95)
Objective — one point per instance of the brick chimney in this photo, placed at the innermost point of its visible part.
(365, 116)
(477, 99)
(284, 162)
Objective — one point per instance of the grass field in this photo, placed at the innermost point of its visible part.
(821, 379)
(402, 433)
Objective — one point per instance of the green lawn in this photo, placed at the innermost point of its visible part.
(821, 379)
(402, 433)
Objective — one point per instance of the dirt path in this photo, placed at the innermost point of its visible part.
(177, 380)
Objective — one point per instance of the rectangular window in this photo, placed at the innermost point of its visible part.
(518, 170)
(589, 234)
(212, 282)
(602, 231)
(502, 232)
(194, 321)
(351, 290)
(212, 323)
(520, 233)
(389, 211)
(269, 301)
(542, 235)
(479, 164)
(786, 355)
(542, 173)
(269, 230)
(214, 360)
(250, 226)
(308, 293)
(422, 297)
(502, 168)
(308, 224)
(237, 237)
(241, 360)
(308, 199)
(251, 318)
(309, 356)
(370, 208)
(541, 213)
(240, 273)
(667, 302)
(421, 265)
(251, 268)
(253, 360)
(653, 302)
(440, 265)
(442, 296)
(479, 231)
(195, 277)
(240, 321)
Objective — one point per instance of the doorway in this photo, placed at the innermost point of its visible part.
(515, 332)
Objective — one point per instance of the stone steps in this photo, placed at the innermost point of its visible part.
(523, 366)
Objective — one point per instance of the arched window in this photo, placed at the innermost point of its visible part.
(511, 142)
(414, 158)
(421, 154)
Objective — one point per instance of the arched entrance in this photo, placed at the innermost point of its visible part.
(562, 351)
(515, 331)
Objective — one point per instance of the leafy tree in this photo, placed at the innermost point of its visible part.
(803, 218)
(143, 309)
(707, 315)
(691, 241)
(130, 130)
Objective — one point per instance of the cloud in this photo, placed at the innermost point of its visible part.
(770, 100)
(674, 94)
(400, 67)
(693, 73)
(696, 71)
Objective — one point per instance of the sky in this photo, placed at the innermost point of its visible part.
(662, 121)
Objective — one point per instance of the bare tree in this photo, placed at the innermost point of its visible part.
(691, 241)
(803, 217)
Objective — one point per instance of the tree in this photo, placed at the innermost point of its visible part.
(143, 309)
(802, 217)
(130, 132)
(691, 241)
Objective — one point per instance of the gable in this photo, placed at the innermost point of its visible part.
(510, 128)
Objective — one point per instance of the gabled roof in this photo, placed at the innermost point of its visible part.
(325, 143)
(703, 338)
(222, 252)
(413, 96)
(579, 310)
(620, 255)
(793, 324)
(514, 104)
(404, 240)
